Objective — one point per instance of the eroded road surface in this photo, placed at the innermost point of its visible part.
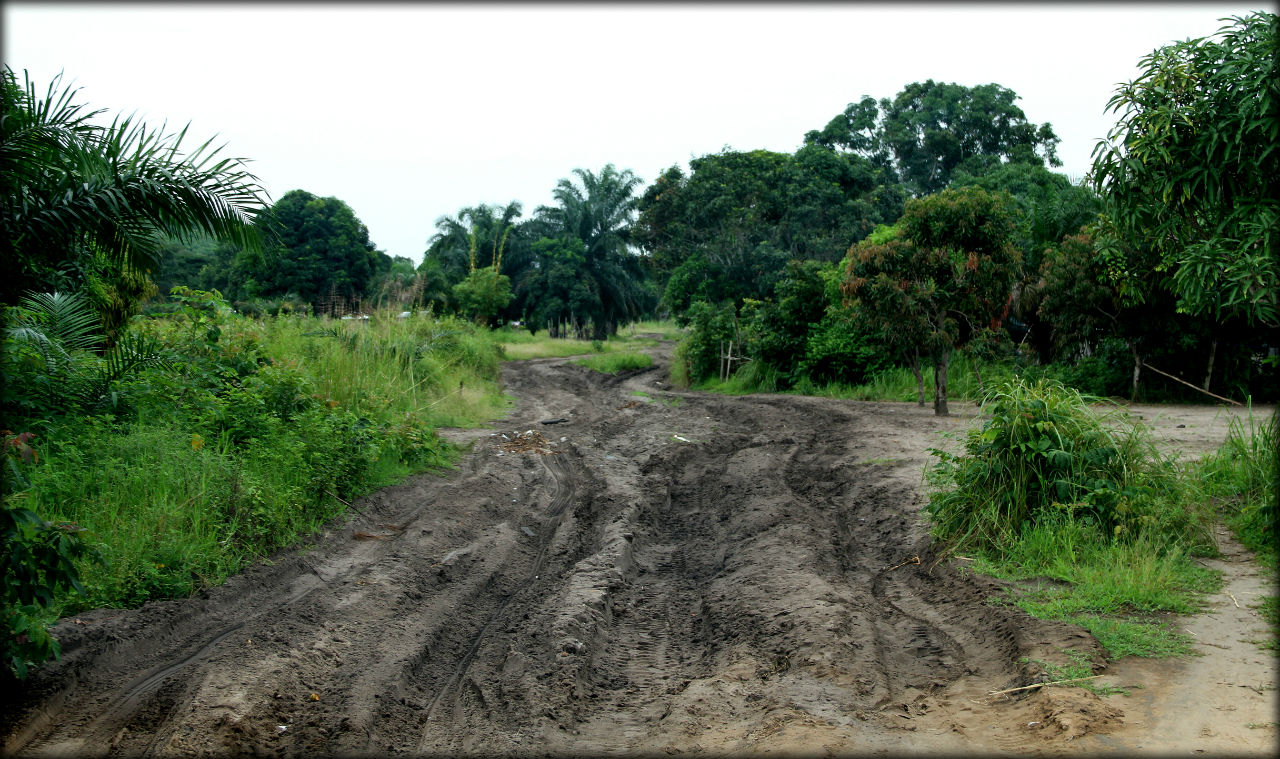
(662, 572)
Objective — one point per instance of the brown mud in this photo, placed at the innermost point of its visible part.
(672, 572)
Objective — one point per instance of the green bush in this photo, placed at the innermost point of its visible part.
(710, 329)
(1044, 451)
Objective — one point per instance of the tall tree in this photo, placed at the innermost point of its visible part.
(478, 237)
(931, 129)
(323, 251)
(1191, 173)
(599, 210)
(945, 277)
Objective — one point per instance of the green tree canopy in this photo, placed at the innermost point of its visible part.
(726, 231)
(323, 251)
(599, 211)
(1191, 174)
(931, 129)
(943, 277)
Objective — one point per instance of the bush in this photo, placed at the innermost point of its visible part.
(710, 328)
(1044, 452)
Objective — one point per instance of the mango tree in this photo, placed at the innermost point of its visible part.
(945, 277)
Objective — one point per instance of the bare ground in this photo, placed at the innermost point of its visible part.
(676, 573)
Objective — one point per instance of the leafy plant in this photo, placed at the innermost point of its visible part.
(1044, 451)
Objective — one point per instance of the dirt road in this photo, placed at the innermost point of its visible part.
(661, 572)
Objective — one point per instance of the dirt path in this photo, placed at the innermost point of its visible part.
(661, 573)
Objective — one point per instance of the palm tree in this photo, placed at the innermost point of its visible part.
(600, 213)
(71, 189)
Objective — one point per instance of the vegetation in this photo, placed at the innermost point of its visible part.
(240, 438)
(156, 439)
(1079, 508)
(614, 363)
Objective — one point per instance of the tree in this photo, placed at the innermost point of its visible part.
(946, 276)
(600, 212)
(323, 251)
(1049, 208)
(931, 129)
(1190, 176)
(560, 291)
(725, 232)
(72, 191)
(483, 294)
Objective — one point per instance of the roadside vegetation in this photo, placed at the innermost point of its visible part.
(196, 375)
(1097, 527)
(614, 363)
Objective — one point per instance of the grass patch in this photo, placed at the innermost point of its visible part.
(1076, 668)
(614, 363)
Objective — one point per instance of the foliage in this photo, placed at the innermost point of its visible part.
(598, 211)
(726, 231)
(1242, 476)
(1190, 173)
(73, 189)
(947, 275)
(614, 363)
(560, 291)
(323, 253)
(246, 436)
(931, 130)
(1043, 453)
(483, 294)
(710, 330)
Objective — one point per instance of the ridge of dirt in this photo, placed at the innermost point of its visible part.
(727, 575)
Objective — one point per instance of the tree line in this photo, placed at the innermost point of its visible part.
(825, 264)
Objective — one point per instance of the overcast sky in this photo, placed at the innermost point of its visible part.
(411, 111)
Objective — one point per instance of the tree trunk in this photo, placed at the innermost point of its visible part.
(1208, 373)
(940, 383)
(915, 369)
(1137, 372)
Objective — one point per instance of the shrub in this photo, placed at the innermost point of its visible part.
(1044, 451)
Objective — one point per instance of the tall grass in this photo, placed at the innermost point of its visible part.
(436, 371)
(252, 441)
(1241, 477)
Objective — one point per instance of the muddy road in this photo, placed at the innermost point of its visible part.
(661, 572)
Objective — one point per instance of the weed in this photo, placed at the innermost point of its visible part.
(1078, 668)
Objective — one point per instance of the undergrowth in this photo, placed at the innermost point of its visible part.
(240, 437)
(1079, 509)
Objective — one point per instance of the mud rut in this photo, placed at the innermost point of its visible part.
(675, 573)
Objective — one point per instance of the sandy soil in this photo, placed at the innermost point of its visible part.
(658, 574)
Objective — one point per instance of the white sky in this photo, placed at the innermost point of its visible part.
(411, 111)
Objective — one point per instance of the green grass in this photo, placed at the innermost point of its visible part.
(252, 443)
(437, 371)
(666, 330)
(613, 363)
(1076, 668)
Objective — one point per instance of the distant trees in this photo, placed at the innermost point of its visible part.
(726, 231)
(322, 251)
(931, 129)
